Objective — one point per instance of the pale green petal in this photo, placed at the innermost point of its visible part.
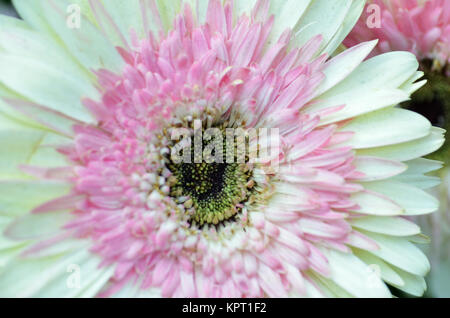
(339, 67)
(46, 85)
(422, 165)
(312, 291)
(18, 143)
(395, 226)
(287, 14)
(414, 175)
(413, 200)
(352, 17)
(410, 86)
(86, 43)
(25, 278)
(91, 279)
(386, 272)
(35, 226)
(386, 127)
(377, 168)
(389, 70)
(377, 79)
(6, 243)
(357, 102)
(45, 118)
(17, 38)
(419, 181)
(350, 273)
(8, 254)
(413, 284)
(168, 11)
(324, 17)
(329, 287)
(241, 6)
(400, 252)
(18, 197)
(419, 239)
(373, 204)
(8, 111)
(95, 282)
(128, 15)
(408, 150)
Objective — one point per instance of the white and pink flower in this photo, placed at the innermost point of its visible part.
(421, 27)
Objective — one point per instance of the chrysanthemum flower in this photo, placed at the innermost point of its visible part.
(419, 26)
(88, 186)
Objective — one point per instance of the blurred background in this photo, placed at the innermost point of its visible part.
(436, 226)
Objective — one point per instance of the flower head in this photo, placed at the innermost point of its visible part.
(97, 131)
(420, 27)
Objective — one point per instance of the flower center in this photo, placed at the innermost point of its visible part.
(211, 187)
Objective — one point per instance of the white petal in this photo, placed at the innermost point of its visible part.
(386, 127)
(413, 284)
(419, 181)
(377, 78)
(46, 85)
(21, 196)
(128, 15)
(25, 278)
(91, 280)
(413, 200)
(324, 17)
(352, 17)
(168, 11)
(329, 288)
(287, 15)
(7, 255)
(86, 43)
(53, 246)
(408, 150)
(312, 291)
(400, 252)
(18, 39)
(386, 272)
(388, 70)
(422, 165)
(32, 226)
(342, 65)
(395, 226)
(6, 243)
(371, 203)
(95, 282)
(414, 175)
(357, 102)
(377, 168)
(17, 145)
(410, 86)
(350, 273)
